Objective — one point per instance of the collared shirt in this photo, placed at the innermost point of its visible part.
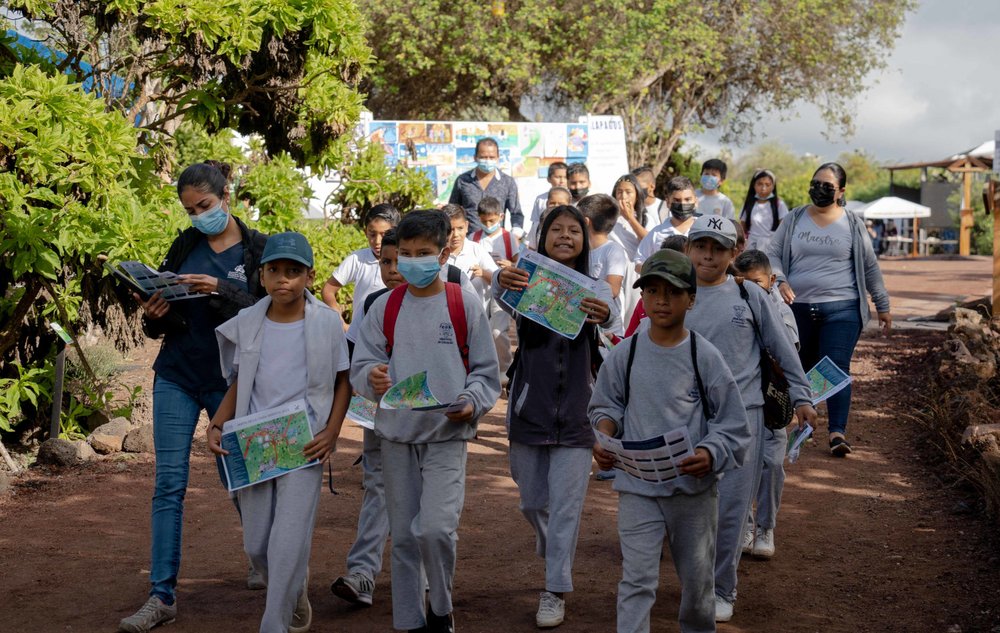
(468, 193)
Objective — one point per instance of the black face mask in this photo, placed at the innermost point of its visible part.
(682, 211)
(579, 193)
(822, 196)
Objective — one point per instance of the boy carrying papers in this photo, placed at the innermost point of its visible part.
(662, 379)
(267, 361)
(424, 452)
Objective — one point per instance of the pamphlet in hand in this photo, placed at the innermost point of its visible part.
(412, 393)
(796, 438)
(826, 379)
(144, 280)
(553, 295)
(361, 411)
(655, 460)
(266, 444)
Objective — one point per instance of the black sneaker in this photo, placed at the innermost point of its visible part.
(440, 623)
(839, 447)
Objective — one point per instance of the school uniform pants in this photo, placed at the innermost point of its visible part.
(552, 481)
(772, 478)
(365, 555)
(278, 519)
(737, 488)
(424, 494)
(688, 522)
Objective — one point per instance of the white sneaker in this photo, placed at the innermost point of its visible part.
(355, 587)
(551, 610)
(303, 614)
(723, 610)
(763, 546)
(748, 541)
(255, 579)
(153, 613)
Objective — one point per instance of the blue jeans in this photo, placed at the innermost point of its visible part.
(830, 329)
(175, 416)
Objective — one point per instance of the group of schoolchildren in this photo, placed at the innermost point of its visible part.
(428, 297)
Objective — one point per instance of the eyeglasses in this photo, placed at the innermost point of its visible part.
(823, 186)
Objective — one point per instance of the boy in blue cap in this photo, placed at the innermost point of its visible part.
(268, 363)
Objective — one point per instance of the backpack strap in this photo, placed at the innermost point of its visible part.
(478, 235)
(507, 245)
(753, 317)
(456, 312)
(697, 376)
(389, 320)
(454, 274)
(628, 368)
(370, 299)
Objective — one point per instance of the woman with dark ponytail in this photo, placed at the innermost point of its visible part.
(823, 252)
(218, 257)
(763, 210)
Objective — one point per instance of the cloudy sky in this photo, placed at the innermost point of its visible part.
(938, 95)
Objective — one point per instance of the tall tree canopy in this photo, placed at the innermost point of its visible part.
(665, 66)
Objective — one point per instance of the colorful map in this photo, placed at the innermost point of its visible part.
(362, 411)
(412, 393)
(266, 444)
(553, 295)
(826, 379)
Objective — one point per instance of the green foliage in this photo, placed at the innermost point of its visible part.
(278, 191)
(30, 386)
(367, 181)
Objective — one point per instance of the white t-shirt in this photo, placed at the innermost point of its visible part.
(361, 269)
(654, 240)
(473, 255)
(658, 210)
(533, 223)
(496, 246)
(608, 259)
(761, 217)
(716, 204)
(282, 375)
(623, 235)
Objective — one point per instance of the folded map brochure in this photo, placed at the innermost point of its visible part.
(655, 460)
(361, 411)
(553, 295)
(266, 444)
(412, 393)
(796, 439)
(146, 281)
(826, 379)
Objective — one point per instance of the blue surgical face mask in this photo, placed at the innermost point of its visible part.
(709, 183)
(486, 165)
(490, 230)
(419, 271)
(767, 197)
(211, 222)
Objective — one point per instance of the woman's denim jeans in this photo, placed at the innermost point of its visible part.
(175, 416)
(830, 329)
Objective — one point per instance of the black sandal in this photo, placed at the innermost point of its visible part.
(839, 447)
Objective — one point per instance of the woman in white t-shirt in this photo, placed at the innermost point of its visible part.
(763, 210)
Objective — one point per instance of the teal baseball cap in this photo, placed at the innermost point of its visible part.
(290, 245)
(676, 268)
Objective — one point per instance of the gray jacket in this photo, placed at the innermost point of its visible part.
(867, 274)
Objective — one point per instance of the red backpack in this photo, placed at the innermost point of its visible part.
(456, 311)
(507, 246)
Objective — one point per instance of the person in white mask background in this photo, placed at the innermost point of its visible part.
(487, 179)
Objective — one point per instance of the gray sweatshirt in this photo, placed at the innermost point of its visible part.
(723, 317)
(425, 341)
(664, 396)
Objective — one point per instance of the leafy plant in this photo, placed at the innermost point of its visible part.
(30, 386)
(367, 181)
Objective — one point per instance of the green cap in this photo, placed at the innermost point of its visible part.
(291, 245)
(670, 265)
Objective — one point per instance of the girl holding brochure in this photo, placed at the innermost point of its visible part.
(217, 257)
(549, 432)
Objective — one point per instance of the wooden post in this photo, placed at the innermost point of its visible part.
(916, 236)
(966, 220)
(57, 393)
(994, 202)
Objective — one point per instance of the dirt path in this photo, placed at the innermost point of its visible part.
(870, 543)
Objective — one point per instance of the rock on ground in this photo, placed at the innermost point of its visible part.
(139, 440)
(61, 452)
(108, 438)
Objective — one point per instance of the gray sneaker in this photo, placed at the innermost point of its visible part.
(551, 610)
(303, 614)
(153, 613)
(355, 587)
(255, 579)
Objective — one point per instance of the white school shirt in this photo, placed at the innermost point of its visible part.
(608, 259)
(495, 245)
(623, 235)
(716, 204)
(654, 240)
(474, 254)
(361, 269)
(761, 218)
(532, 224)
(658, 210)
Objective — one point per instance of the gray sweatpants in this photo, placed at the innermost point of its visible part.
(736, 491)
(772, 478)
(688, 522)
(365, 555)
(500, 325)
(552, 481)
(278, 519)
(424, 494)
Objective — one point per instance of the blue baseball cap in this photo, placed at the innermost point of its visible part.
(290, 245)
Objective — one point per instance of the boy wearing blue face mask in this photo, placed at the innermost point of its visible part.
(424, 452)
(486, 179)
(711, 201)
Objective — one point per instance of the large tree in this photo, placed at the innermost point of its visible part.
(665, 66)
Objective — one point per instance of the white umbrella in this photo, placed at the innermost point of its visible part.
(855, 206)
(891, 207)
